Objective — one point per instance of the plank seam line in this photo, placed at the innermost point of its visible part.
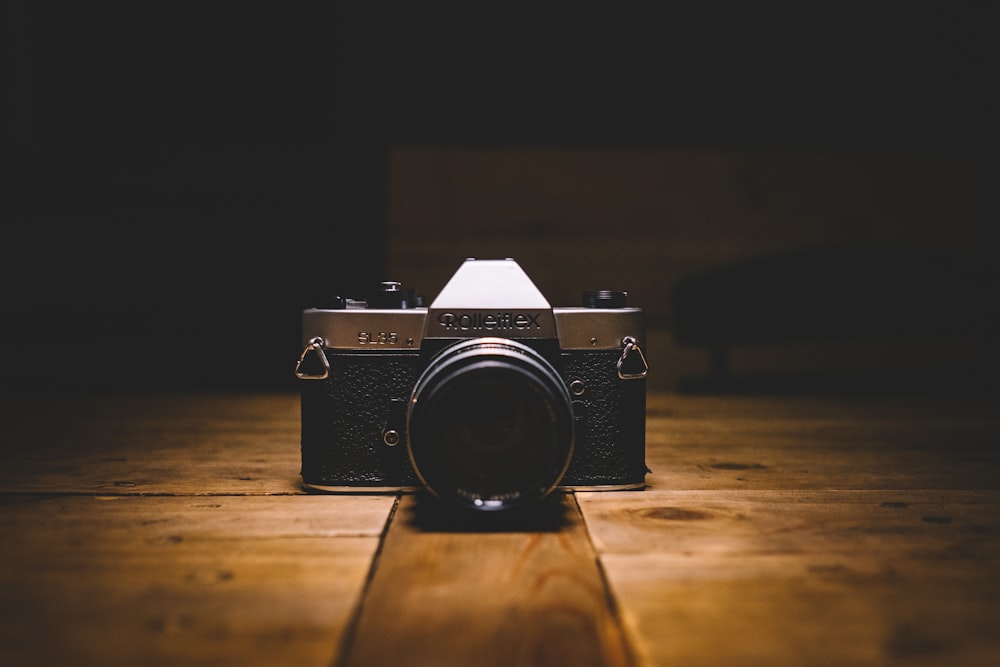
(347, 639)
(152, 494)
(609, 594)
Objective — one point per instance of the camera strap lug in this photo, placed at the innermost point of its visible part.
(636, 367)
(316, 345)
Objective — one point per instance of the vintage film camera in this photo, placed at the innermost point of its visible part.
(490, 397)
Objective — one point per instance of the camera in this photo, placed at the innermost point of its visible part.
(489, 397)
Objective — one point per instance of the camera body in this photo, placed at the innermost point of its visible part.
(489, 397)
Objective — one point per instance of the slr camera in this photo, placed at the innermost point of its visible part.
(490, 397)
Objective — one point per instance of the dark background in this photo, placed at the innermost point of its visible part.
(183, 179)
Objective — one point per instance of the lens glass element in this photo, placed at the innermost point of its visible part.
(490, 424)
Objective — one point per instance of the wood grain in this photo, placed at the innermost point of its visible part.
(765, 578)
(138, 531)
(146, 444)
(122, 580)
(809, 531)
(822, 443)
(171, 529)
(453, 591)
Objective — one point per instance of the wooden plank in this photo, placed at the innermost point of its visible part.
(119, 580)
(217, 444)
(775, 530)
(452, 591)
(151, 444)
(809, 531)
(804, 577)
(822, 443)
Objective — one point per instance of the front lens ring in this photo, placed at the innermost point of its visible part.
(490, 424)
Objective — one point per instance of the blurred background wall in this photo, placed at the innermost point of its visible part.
(183, 179)
(884, 238)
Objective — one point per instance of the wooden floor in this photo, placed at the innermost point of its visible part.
(171, 530)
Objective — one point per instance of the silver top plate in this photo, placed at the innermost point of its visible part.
(363, 329)
(485, 297)
(598, 328)
(578, 328)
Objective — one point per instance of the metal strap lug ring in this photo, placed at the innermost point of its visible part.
(632, 345)
(315, 344)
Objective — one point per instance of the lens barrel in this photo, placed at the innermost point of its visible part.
(490, 424)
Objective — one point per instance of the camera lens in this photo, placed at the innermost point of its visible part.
(490, 424)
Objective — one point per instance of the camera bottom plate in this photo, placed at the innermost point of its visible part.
(321, 488)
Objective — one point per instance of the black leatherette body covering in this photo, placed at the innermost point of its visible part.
(345, 416)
